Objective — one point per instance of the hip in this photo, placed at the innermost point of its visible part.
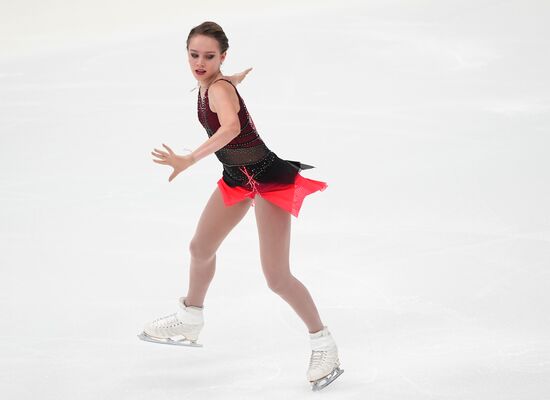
(270, 169)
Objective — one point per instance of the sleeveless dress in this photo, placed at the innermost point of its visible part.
(250, 167)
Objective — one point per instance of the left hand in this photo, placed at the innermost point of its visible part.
(179, 163)
(239, 76)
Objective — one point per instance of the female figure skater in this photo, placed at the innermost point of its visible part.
(250, 168)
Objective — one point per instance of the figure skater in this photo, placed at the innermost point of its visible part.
(250, 168)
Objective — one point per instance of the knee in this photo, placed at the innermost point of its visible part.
(279, 283)
(201, 251)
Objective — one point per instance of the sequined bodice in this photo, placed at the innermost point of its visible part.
(246, 148)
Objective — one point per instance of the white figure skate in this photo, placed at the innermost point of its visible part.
(324, 365)
(181, 328)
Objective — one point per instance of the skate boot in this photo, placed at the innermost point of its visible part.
(181, 328)
(324, 365)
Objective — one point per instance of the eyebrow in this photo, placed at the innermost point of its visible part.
(205, 51)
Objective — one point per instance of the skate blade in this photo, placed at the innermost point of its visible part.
(327, 380)
(184, 342)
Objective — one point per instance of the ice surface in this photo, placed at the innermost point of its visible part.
(427, 256)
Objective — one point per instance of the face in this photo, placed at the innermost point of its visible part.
(204, 55)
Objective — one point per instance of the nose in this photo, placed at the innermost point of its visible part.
(200, 61)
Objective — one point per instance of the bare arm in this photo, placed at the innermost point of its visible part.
(226, 103)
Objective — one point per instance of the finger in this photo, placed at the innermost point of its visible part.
(163, 158)
(243, 74)
(161, 152)
(159, 155)
(160, 162)
(169, 149)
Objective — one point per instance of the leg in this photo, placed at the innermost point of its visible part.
(215, 223)
(274, 235)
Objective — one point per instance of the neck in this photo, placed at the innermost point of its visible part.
(204, 85)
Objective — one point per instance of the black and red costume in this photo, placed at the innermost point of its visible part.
(250, 167)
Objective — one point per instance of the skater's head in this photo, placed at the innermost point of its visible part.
(206, 50)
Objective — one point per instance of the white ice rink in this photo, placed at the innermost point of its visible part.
(427, 256)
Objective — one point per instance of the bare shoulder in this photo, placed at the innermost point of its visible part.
(222, 88)
(222, 94)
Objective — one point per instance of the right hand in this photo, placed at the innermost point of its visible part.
(177, 162)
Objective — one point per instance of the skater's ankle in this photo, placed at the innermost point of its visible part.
(190, 305)
(317, 330)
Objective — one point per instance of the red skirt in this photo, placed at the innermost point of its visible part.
(289, 197)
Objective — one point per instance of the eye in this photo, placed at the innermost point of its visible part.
(194, 55)
(210, 57)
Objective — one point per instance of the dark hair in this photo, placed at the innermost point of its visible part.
(209, 28)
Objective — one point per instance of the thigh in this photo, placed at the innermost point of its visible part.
(273, 225)
(217, 220)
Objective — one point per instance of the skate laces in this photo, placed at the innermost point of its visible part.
(317, 358)
(169, 320)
